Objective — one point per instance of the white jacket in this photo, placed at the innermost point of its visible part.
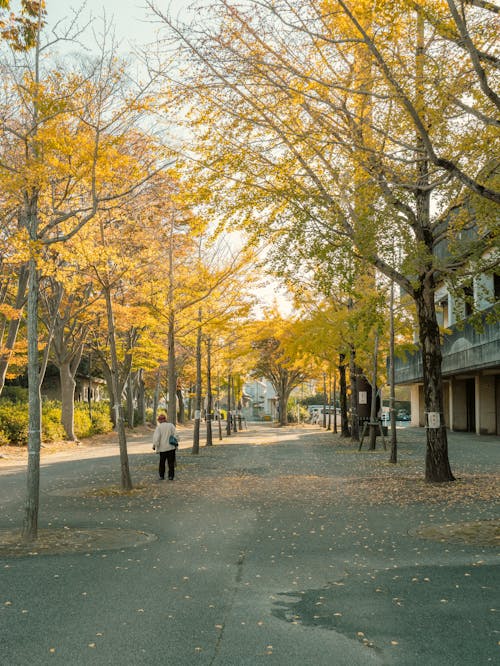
(161, 436)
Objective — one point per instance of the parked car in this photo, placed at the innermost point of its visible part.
(403, 415)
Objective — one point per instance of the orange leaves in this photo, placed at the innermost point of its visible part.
(9, 312)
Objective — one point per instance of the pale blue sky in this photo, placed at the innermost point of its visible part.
(132, 20)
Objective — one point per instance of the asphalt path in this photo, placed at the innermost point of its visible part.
(275, 546)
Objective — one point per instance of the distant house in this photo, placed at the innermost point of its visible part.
(261, 401)
(87, 388)
(90, 389)
(471, 363)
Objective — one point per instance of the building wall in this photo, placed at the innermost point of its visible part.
(486, 405)
(471, 404)
(497, 392)
(416, 401)
(51, 389)
(471, 361)
(484, 292)
(458, 417)
(447, 397)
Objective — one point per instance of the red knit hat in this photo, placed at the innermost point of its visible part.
(162, 417)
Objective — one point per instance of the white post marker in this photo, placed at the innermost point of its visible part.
(433, 420)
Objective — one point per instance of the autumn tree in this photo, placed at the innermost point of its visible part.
(117, 255)
(18, 31)
(294, 149)
(277, 360)
(200, 286)
(65, 302)
(65, 128)
(13, 284)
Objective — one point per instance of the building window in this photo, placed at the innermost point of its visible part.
(442, 313)
(496, 286)
(468, 300)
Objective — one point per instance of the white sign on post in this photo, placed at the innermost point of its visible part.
(363, 397)
(197, 414)
(433, 420)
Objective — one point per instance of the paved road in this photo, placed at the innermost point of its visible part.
(281, 546)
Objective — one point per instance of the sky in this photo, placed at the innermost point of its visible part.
(130, 17)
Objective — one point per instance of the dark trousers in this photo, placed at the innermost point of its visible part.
(168, 456)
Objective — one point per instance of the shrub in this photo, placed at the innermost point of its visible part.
(101, 422)
(14, 420)
(52, 429)
(83, 424)
(15, 393)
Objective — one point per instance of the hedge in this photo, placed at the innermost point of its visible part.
(14, 421)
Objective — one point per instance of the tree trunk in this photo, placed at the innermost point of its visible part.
(171, 373)
(283, 399)
(437, 466)
(329, 419)
(30, 522)
(156, 397)
(324, 400)
(180, 402)
(130, 401)
(106, 371)
(353, 372)
(392, 381)
(126, 480)
(373, 406)
(235, 406)
(335, 403)
(197, 407)
(219, 419)
(141, 399)
(228, 422)
(68, 385)
(344, 421)
(171, 360)
(209, 395)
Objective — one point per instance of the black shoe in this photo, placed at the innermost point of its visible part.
(162, 478)
(170, 478)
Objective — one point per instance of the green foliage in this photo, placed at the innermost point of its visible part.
(316, 399)
(135, 416)
(83, 422)
(296, 411)
(99, 423)
(101, 420)
(15, 393)
(52, 430)
(14, 420)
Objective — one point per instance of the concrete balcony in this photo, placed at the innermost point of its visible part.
(465, 350)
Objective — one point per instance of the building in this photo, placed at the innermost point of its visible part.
(86, 387)
(260, 402)
(471, 363)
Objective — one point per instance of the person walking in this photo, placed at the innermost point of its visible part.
(161, 444)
